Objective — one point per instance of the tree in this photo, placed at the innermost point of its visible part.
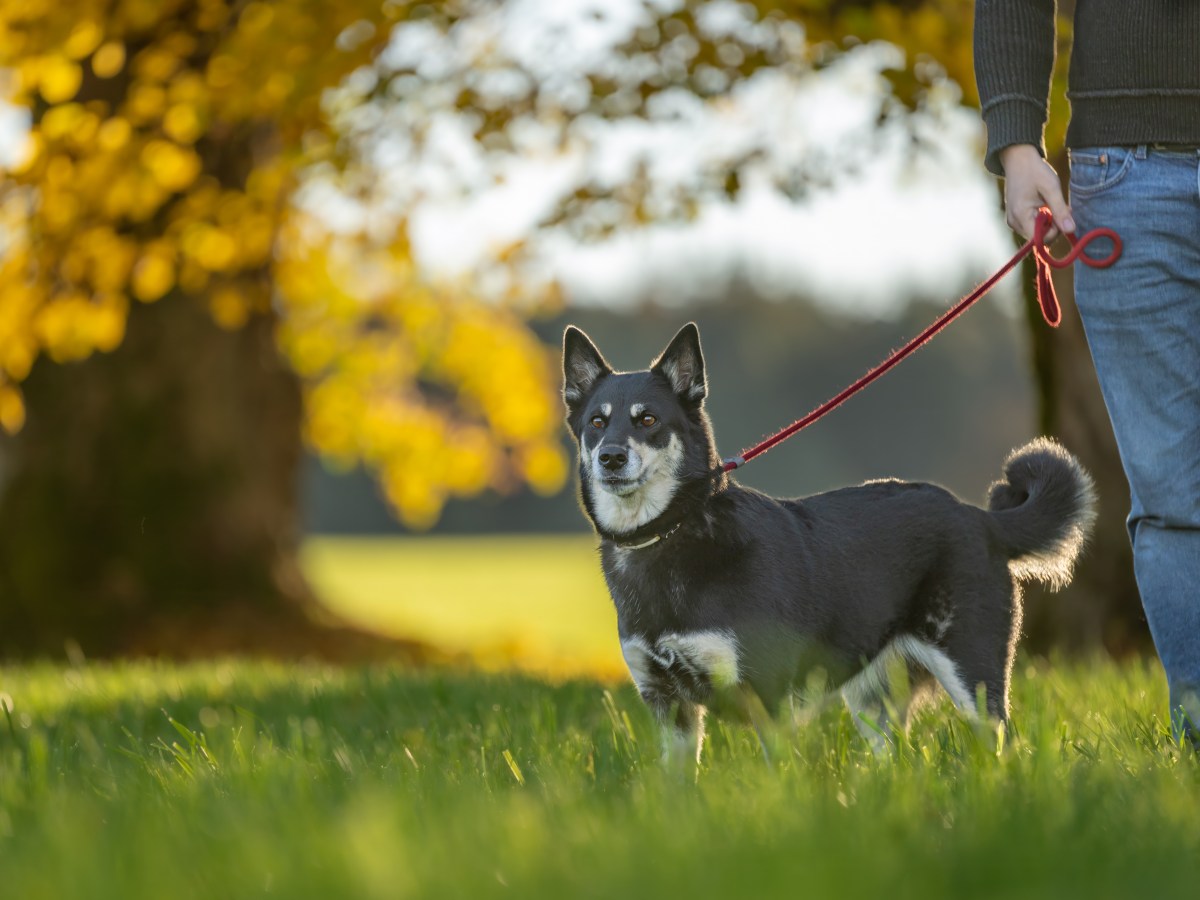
(152, 250)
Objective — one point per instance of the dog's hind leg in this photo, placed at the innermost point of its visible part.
(884, 695)
(870, 717)
(979, 649)
(866, 696)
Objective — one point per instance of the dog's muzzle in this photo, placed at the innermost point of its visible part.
(617, 469)
(612, 457)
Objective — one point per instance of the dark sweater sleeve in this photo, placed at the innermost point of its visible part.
(1014, 59)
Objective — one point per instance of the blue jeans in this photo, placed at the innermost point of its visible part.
(1142, 320)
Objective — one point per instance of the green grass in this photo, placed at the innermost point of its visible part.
(238, 779)
(243, 779)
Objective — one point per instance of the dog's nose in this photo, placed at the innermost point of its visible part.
(612, 458)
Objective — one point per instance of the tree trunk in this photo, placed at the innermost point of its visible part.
(1101, 609)
(150, 505)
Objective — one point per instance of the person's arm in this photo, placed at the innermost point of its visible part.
(1014, 59)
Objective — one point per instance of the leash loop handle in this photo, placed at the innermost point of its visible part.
(1078, 245)
(1044, 261)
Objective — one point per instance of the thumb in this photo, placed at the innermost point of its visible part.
(1059, 210)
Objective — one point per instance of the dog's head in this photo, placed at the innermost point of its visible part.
(641, 435)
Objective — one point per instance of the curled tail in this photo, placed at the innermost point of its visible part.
(1043, 510)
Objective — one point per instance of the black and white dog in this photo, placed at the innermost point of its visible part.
(727, 597)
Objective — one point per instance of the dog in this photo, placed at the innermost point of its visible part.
(732, 601)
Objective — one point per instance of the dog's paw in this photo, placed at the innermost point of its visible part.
(713, 653)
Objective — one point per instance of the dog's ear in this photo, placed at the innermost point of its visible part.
(683, 364)
(583, 366)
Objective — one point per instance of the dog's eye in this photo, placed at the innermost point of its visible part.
(597, 421)
(647, 420)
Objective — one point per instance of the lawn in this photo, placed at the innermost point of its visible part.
(537, 604)
(237, 779)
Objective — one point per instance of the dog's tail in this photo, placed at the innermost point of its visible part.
(1043, 510)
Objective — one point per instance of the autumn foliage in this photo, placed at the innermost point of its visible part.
(167, 139)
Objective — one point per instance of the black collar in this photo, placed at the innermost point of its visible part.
(647, 542)
(649, 534)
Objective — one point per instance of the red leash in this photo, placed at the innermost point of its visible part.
(1047, 299)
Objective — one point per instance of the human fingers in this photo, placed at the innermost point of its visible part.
(1050, 190)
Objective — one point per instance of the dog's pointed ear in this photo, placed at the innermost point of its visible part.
(683, 364)
(583, 366)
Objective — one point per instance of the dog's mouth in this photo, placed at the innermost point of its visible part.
(620, 484)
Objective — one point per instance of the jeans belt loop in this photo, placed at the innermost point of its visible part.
(1141, 151)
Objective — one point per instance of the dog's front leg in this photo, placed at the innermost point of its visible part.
(682, 725)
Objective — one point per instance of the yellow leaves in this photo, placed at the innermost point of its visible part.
(109, 59)
(278, 88)
(469, 465)
(413, 497)
(18, 359)
(12, 409)
(210, 247)
(441, 394)
(162, 60)
(108, 322)
(132, 195)
(113, 134)
(102, 258)
(72, 325)
(212, 15)
(501, 367)
(255, 18)
(58, 78)
(940, 29)
(182, 123)
(69, 121)
(544, 467)
(229, 308)
(84, 38)
(188, 87)
(146, 102)
(223, 71)
(59, 208)
(172, 166)
(17, 345)
(59, 170)
(154, 274)
(267, 182)
(311, 350)
(928, 28)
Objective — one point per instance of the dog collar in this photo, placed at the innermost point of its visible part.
(642, 545)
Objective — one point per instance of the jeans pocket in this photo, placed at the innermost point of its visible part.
(1096, 169)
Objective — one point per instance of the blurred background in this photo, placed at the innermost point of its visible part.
(282, 285)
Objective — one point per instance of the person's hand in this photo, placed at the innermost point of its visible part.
(1029, 184)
